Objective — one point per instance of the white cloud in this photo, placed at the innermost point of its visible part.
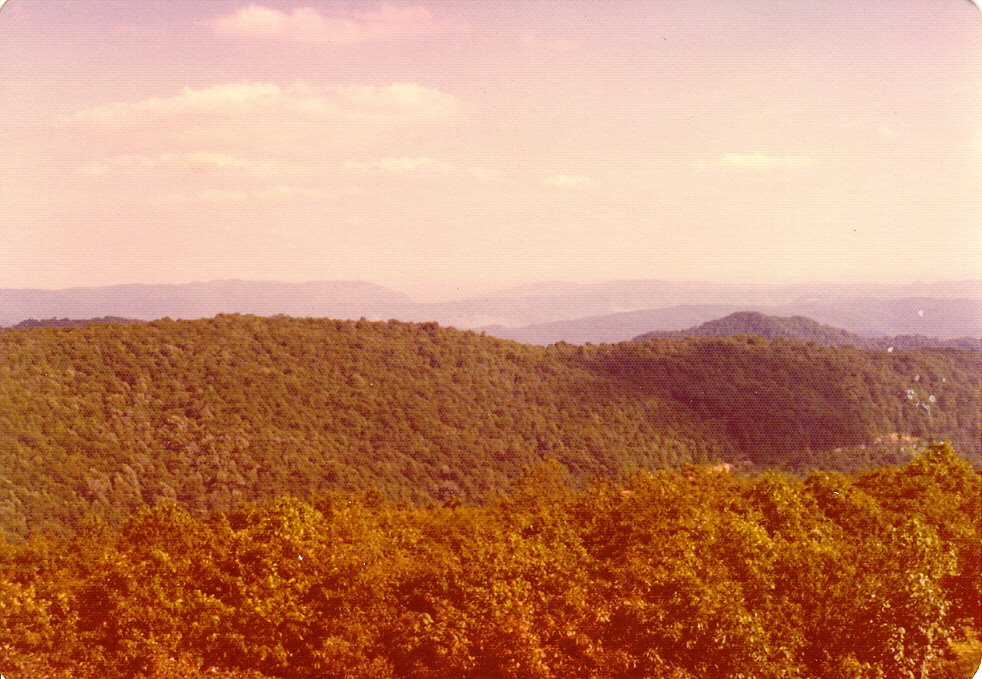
(181, 163)
(204, 100)
(308, 25)
(400, 165)
(213, 196)
(205, 196)
(483, 173)
(94, 169)
(396, 103)
(284, 191)
(538, 42)
(195, 161)
(224, 161)
(399, 101)
(404, 165)
(757, 161)
(251, 142)
(569, 180)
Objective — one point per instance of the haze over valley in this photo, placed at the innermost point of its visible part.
(538, 314)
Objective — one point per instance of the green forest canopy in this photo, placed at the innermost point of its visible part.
(208, 413)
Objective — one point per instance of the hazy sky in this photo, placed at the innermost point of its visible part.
(168, 141)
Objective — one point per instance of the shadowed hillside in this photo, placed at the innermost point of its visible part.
(109, 417)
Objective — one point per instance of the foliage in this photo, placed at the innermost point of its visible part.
(108, 418)
(689, 573)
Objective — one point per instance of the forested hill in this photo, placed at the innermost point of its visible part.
(107, 417)
(71, 322)
(804, 329)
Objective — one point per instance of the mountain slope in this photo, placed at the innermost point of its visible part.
(945, 319)
(611, 328)
(107, 417)
(803, 329)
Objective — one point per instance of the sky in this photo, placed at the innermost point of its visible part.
(483, 144)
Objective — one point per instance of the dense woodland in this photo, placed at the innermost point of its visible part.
(680, 574)
(70, 322)
(109, 418)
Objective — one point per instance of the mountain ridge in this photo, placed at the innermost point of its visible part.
(105, 418)
(570, 312)
(804, 329)
(945, 319)
(202, 299)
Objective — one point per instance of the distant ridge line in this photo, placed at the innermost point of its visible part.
(803, 329)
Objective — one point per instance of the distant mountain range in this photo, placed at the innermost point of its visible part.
(945, 319)
(542, 313)
(336, 299)
(803, 329)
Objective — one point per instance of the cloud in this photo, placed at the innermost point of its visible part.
(214, 196)
(195, 161)
(422, 165)
(285, 191)
(885, 132)
(205, 196)
(203, 159)
(245, 143)
(396, 103)
(400, 165)
(94, 169)
(205, 100)
(483, 173)
(536, 41)
(568, 180)
(399, 100)
(308, 25)
(756, 161)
